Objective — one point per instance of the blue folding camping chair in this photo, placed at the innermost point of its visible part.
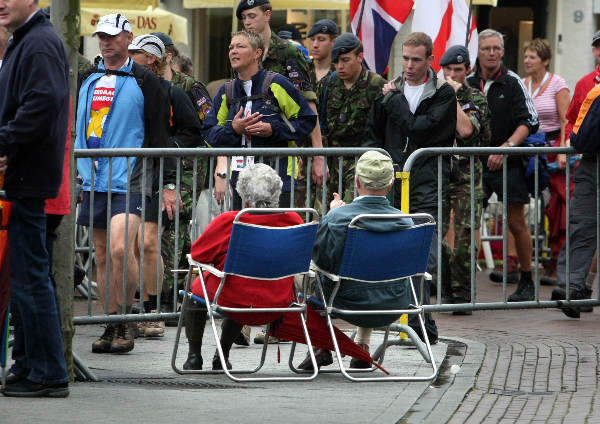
(260, 253)
(379, 258)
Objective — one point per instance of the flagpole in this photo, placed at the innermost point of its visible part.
(362, 11)
(469, 24)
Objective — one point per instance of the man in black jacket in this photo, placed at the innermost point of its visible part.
(34, 111)
(417, 110)
(513, 119)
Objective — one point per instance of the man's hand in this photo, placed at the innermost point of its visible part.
(170, 199)
(561, 159)
(239, 123)
(336, 202)
(454, 84)
(494, 162)
(260, 129)
(317, 170)
(387, 87)
(3, 163)
(219, 190)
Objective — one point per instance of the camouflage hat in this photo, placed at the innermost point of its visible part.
(375, 170)
(345, 43)
(248, 4)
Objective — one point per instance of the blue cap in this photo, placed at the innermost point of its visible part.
(324, 26)
(456, 55)
(345, 43)
(248, 4)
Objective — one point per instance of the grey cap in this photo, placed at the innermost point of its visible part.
(167, 41)
(455, 55)
(248, 4)
(324, 26)
(345, 43)
(596, 38)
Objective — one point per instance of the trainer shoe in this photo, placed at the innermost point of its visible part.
(123, 341)
(26, 388)
(102, 345)
(155, 328)
(260, 338)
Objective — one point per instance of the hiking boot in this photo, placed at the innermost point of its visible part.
(123, 341)
(560, 293)
(260, 338)
(155, 328)
(141, 329)
(523, 293)
(102, 345)
(359, 363)
(512, 272)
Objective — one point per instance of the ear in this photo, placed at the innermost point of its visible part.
(268, 15)
(357, 182)
(360, 56)
(430, 60)
(129, 37)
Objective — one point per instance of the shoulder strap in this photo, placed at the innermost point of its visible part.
(323, 108)
(546, 85)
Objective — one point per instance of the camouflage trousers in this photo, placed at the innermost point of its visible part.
(175, 258)
(457, 262)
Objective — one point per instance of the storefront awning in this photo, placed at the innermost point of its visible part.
(296, 4)
(112, 4)
(142, 22)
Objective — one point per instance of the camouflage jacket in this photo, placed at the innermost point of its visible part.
(347, 110)
(286, 59)
(474, 104)
(196, 91)
(318, 86)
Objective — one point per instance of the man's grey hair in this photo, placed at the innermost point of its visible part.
(489, 33)
(259, 186)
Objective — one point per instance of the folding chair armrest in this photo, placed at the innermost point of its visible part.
(427, 276)
(214, 271)
(315, 268)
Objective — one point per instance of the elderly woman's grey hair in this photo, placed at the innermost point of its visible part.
(259, 186)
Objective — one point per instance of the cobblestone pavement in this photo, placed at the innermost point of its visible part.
(537, 365)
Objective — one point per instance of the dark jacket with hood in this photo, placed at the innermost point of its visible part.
(34, 110)
(395, 128)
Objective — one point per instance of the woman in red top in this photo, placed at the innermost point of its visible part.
(259, 186)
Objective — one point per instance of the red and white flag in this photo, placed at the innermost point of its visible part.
(379, 24)
(445, 21)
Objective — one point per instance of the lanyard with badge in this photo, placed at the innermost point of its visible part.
(537, 90)
(485, 88)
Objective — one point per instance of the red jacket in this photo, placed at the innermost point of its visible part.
(583, 87)
(211, 247)
(61, 204)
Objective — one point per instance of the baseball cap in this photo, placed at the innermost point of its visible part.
(324, 26)
(375, 170)
(167, 41)
(112, 24)
(596, 38)
(150, 44)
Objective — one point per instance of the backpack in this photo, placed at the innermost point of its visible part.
(323, 108)
(270, 102)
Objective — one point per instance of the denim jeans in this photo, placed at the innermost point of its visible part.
(38, 347)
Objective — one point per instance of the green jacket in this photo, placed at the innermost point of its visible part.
(475, 106)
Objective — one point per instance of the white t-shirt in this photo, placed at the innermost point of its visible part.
(413, 94)
(246, 140)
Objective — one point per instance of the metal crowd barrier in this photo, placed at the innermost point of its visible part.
(85, 250)
(471, 153)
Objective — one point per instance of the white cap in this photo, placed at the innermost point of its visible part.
(112, 24)
(150, 44)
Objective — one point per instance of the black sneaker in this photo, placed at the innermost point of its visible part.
(26, 388)
(216, 363)
(511, 277)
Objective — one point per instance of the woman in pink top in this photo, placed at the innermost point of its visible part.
(550, 96)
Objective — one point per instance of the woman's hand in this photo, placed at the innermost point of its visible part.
(240, 124)
(260, 129)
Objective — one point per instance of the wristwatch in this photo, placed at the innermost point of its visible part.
(510, 144)
(170, 186)
(222, 175)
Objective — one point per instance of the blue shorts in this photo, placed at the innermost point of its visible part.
(117, 206)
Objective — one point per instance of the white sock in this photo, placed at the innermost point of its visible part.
(363, 335)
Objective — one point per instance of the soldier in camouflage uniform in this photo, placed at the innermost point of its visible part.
(322, 36)
(346, 101)
(286, 59)
(472, 130)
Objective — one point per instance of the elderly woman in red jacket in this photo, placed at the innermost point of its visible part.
(259, 186)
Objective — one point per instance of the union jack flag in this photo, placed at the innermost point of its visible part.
(381, 21)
